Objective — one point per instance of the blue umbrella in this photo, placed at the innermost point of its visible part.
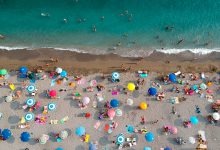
(51, 106)
(172, 77)
(25, 136)
(147, 148)
(80, 131)
(29, 116)
(30, 102)
(152, 91)
(31, 88)
(59, 148)
(194, 120)
(23, 70)
(6, 134)
(195, 87)
(167, 148)
(120, 139)
(114, 103)
(63, 73)
(130, 129)
(149, 136)
(115, 75)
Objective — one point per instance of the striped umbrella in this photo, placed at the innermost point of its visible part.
(51, 106)
(31, 88)
(30, 102)
(115, 75)
(29, 117)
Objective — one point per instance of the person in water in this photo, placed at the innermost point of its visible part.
(94, 28)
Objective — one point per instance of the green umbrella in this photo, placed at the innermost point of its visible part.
(3, 72)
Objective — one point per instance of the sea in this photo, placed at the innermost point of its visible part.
(125, 27)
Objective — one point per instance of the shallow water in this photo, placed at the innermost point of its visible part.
(136, 24)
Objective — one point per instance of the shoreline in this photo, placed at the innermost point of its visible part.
(85, 63)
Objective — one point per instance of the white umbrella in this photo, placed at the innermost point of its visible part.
(43, 139)
(9, 98)
(130, 101)
(59, 70)
(216, 116)
(63, 134)
(192, 140)
(86, 100)
(118, 112)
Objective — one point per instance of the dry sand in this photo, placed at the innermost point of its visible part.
(131, 115)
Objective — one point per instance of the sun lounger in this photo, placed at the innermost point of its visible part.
(53, 121)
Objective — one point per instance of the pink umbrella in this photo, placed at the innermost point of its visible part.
(174, 130)
(53, 93)
(209, 91)
(111, 113)
(191, 92)
(86, 100)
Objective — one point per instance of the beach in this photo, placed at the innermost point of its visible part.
(67, 106)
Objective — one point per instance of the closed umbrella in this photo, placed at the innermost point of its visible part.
(6, 134)
(59, 70)
(8, 98)
(51, 106)
(25, 136)
(130, 101)
(63, 134)
(31, 88)
(29, 117)
(114, 103)
(118, 112)
(86, 100)
(30, 102)
(80, 131)
(216, 116)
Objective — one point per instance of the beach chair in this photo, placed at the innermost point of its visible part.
(54, 121)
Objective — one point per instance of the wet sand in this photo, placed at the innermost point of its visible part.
(81, 63)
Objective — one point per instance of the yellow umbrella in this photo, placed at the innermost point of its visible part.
(143, 105)
(131, 86)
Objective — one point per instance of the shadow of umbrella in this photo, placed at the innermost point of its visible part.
(13, 119)
(15, 105)
(32, 141)
(104, 141)
(11, 139)
(80, 147)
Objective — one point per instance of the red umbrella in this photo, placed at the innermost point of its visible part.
(53, 93)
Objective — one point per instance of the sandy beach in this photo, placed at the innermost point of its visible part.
(66, 106)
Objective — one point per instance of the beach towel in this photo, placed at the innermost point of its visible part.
(97, 125)
(12, 86)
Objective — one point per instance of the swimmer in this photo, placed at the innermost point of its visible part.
(169, 27)
(94, 28)
(102, 18)
(2, 36)
(84, 19)
(118, 44)
(126, 11)
(65, 20)
(180, 41)
(45, 14)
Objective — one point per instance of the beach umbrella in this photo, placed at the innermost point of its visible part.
(92, 146)
(114, 103)
(143, 105)
(192, 140)
(115, 75)
(51, 106)
(118, 112)
(203, 86)
(3, 72)
(120, 139)
(194, 120)
(29, 117)
(130, 101)
(147, 148)
(80, 131)
(216, 116)
(195, 87)
(63, 134)
(43, 139)
(30, 102)
(130, 129)
(52, 93)
(86, 100)
(174, 130)
(6, 134)
(111, 113)
(8, 98)
(25, 136)
(63, 73)
(172, 77)
(31, 88)
(149, 136)
(59, 148)
(93, 83)
(131, 86)
(152, 91)
(167, 148)
(23, 70)
(59, 70)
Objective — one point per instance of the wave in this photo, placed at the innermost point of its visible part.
(122, 52)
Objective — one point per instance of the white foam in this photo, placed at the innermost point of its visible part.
(201, 51)
(11, 48)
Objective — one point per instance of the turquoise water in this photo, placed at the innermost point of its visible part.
(136, 24)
